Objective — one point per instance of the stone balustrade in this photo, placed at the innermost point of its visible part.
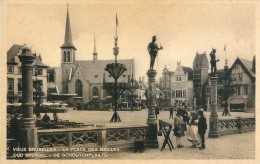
(99, 136)
(238, 125)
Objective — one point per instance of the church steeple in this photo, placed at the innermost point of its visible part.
(95, 50)
(68, 37)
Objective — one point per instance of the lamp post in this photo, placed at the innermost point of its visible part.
(115, 70)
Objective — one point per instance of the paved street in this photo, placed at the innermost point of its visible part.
(237, 146)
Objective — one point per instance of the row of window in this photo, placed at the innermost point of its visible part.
(10, 70)
(66, 56)
(236, 89)
(237, 76)
(180, 93)
(10, 84)
(79, 89)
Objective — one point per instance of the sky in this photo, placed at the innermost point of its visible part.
(182, 28)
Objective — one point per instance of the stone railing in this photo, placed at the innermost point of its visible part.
(238, 125)
(99, 136)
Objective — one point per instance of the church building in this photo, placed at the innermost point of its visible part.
(83, 77)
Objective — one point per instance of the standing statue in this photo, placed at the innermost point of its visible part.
(213, 62)
(153, 50)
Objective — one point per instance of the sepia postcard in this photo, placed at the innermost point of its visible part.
(114, 81)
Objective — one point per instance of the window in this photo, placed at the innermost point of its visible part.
(173, 93)
(95, 91)
(64, 57)
(184, 93)
(109, 76)
(234, 77)
(240, 76)
(10, 84)
(78, 88)
(238, 90)
(38, 72)
(68, 56)
(96, 76)
(51, 77)
(245, 90)
(10, 69)
(19, 70)
(20, 87)
(124, 76)
(178, 78)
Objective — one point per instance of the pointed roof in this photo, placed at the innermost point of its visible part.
(68, 37)
(95, 50)
(246, 65)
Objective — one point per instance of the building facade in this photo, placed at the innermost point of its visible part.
(14, 76)
(200, 76)
(165, 85)
(242, 73)
(182, 86)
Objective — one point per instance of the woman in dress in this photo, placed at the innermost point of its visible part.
(193, 135)
(178, 128)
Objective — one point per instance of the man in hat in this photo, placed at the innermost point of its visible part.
(153, 50)
(202, 127)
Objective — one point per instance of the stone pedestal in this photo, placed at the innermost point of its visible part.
(213, 120)
(151, 120)
(27, 124)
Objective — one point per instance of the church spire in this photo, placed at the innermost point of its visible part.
(68, 37)
(95, 50)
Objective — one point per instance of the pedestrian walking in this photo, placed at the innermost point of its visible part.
(202, 127)
(185, 116)
(171, 112)
(178, 128)
(192, 132)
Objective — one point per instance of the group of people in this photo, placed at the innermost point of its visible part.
(195, 126)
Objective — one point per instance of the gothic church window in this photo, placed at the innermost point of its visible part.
(95, 91)
(78, 88)
(51, 77)
(68, 56)
(64, 57)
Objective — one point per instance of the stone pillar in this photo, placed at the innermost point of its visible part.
(213, 120)
(151, 120)
(101, 135)
(28, 130)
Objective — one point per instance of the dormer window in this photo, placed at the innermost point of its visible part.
(10, 69)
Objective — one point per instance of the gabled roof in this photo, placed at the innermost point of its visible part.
(39, 63)
(91, 69)
(246, 65)
(81, 70)
(12, 52)
(189, 71)
(15, 50)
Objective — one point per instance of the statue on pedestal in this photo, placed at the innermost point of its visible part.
(213, 62)
(153, 50)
